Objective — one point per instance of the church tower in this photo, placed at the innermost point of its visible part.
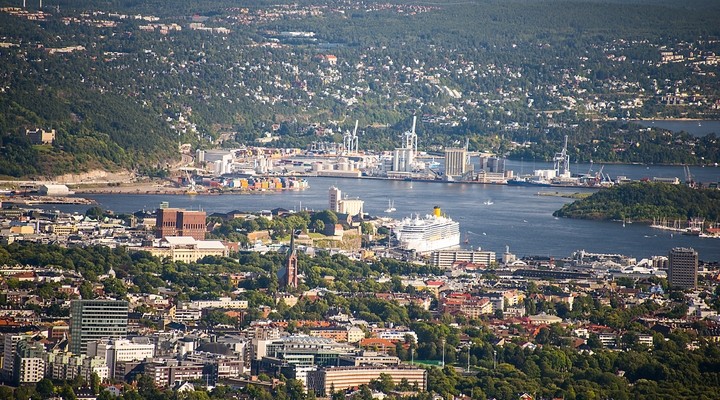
(289, 280)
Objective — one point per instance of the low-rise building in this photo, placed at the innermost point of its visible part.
(40, 136)
(222, 302)
(168, 373)
(544, 319)
(186, 248)
(53, 190)
(466, 304)
(351, 334)
(324, 381)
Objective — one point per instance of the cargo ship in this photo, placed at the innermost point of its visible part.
(558, 176)
(427, 234)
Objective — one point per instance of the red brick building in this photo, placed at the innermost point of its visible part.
(179, 222)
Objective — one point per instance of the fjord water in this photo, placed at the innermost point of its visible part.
(693, 127)
(517, 217)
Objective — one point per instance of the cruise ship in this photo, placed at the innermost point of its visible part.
(433, 232)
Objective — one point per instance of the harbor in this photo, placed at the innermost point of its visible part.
(517, 217)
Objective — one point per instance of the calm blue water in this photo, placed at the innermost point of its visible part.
(695, 128)
(518, 218)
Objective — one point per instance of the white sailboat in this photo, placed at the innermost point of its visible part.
(488, 202)
(391, 207)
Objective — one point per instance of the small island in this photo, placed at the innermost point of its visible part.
(646, 202)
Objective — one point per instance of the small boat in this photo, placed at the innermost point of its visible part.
(488, 202)
(391, 207)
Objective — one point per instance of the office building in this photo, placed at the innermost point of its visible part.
(683, 266)
(93, 320)
(178, 222)
(303, 350)
(446, 258)
(324, 381)
(114, 351)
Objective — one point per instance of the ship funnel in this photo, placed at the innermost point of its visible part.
(436, 211)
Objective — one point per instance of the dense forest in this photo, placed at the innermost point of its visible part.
(493, 72)
(646, 201)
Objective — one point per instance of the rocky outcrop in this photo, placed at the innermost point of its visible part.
(96, 176)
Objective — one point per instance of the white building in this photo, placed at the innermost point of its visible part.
(117, 350)
(341, 205)
(185, 314)
(53, 190)
(220, 160)
(446, 258)
(335, 195)
(222, 302)
(403, 160)
(10, 342)
(30, 370)
(395, 335)
(186, 249)
(94, 365)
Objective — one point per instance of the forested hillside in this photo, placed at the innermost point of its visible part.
(123, 82)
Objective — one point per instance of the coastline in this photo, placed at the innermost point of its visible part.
(35, 200)
(672, 119)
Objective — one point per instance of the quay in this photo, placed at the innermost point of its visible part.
(34, 200)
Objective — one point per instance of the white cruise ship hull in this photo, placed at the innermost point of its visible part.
(431, 233)
(426, 246)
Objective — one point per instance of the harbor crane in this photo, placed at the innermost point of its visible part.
(192, 188)
(688, 176)
(351, 141)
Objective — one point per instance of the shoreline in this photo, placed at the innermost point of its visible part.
(672, 119)
(35, 200)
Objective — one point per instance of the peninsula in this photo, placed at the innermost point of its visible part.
(646, 201)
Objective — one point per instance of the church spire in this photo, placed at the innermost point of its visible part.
(290, 278)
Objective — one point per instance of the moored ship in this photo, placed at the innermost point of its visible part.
(433, 232)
